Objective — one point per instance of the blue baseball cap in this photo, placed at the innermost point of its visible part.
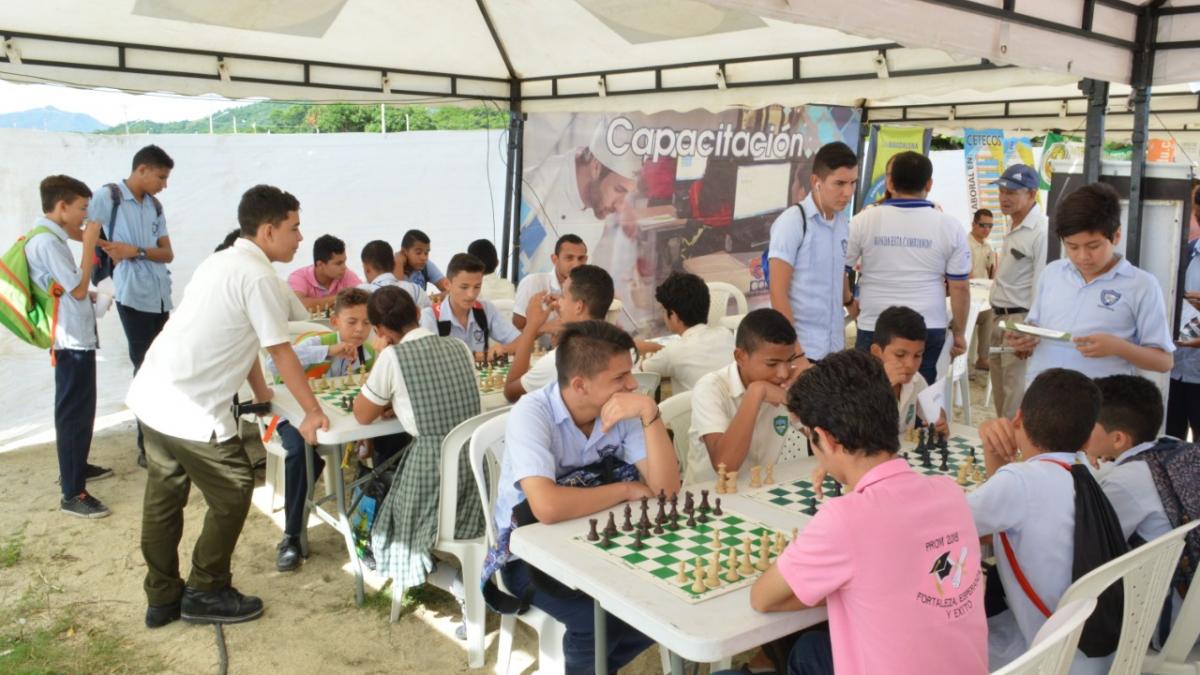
(1019, 177)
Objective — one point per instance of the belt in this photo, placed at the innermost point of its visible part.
(1001, 311)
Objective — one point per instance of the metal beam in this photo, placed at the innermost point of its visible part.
(518, 169)
(1007, 14)
(487, 19)
(1140, 79)
(1097, 96)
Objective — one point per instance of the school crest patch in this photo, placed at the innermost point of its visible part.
(845, 247)
(1109, 297)
(781, 424)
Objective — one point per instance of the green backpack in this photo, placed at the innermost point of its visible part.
(26, 310)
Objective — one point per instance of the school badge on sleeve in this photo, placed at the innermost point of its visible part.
(781, 424)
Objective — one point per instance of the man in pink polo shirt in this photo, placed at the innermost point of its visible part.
(896, 559)
(318, 284)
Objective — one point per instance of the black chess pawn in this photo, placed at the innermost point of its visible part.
(606, 541)
(658, 527)
(592, 535)
(611, 526)
(691, 521)
(661, 516)
(944, 466)
(701, 516)
(717, 511)
(837, 489)
(812, 506)
(627, 525)
(637, 541)
(674, 514)
(662, 497)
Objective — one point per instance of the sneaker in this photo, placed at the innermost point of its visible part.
(142, 459)
(84, 505)
(288, 556)
(158, 616)
(93, 472)
(223, 606)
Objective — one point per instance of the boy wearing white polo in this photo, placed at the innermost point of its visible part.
(700, 349)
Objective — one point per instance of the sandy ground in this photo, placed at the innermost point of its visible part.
(311, 622)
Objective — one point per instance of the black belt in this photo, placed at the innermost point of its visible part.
(1001, 311)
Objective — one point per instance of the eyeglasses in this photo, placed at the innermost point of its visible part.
(987, 225)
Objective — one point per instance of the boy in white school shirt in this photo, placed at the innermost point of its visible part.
(586, 294)
(899, 343)
(700, 349)
(1030, 504)
(1113, 311)
(569, 252)
(461, 314)
(183, 396)
(738, 413)
(376, 258)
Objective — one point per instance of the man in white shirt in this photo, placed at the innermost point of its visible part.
(983, 266)
(569, 252)
(587, 293)
(700, 349)
(1022, 258)
(183, 396)
(374, 256)
(911, 254)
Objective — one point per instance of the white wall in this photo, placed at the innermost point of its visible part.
(358, 187)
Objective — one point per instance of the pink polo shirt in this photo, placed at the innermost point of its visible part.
(304, 282)
(897, 562)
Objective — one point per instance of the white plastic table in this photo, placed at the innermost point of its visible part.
(343, 429)
(705, 632)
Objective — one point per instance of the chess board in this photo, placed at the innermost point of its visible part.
(798, 495)
(335, 397)
(491, 378)
(661, 554)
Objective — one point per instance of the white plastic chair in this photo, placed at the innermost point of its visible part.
(647, 382)
(1180, 655)
(468, 552)
(615, 312)
(960, 372)
(504, 306)
(1053, 647)
(1146, 573)
(487, 449)
(719, 294)
(677, 416)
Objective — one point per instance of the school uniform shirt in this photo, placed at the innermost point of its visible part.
(541, 373)
(541, 440)
(233, 306)
(1130, 489)
(386, 386)
(144, 285)
(417, 293)
(1187, 359)
(815, 294)
(50, 261)
(897, 562)
(907, 402)
(1022, 259)
(304, 281)
(700, 350)
(496, 287)
(1125, 301)
(983, 258)
(533, 284)
(1033, 502)
(908, 250)
(422, 278)
(715, 400)
(500, 330)
(312, 351)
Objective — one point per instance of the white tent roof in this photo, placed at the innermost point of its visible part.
(643, 55)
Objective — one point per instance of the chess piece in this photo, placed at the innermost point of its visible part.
(661, 516)
(962, 474)
(682, 577)
(702, 516)
(731, 482)
(837, 489)
(688, 504)
(658, 526)
(764, 553)
(770, 478)
(731, 570)
(691, 521)
(778, 543)
(721, 478)
(673, 516)
(746, 567)
(627, 524)
(698, 586)
(605, 540)
(944, 466)
(644, 521)
(717, 511)
(637, 540)
(592, 535)
(755, 477)
(611, 526)
(704, 501)
(713, 578)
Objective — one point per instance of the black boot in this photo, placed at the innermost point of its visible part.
(223, 606)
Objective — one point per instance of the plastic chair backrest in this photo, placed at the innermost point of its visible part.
(719, 293)
(1053, 647)
(1146, 572)
(1184, 634)
(677, 415)
(504, 306)
(487, 448)
(452, 446)
(647, 382)
(960, 363)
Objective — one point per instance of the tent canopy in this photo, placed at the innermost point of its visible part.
(614, 54)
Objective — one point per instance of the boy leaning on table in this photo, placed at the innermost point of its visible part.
(896, 559)
(583, 444)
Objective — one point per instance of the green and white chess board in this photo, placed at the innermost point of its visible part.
(660, 555)
(339, 398)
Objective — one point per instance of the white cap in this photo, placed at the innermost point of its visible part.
(628, 164)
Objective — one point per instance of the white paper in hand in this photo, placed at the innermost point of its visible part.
(932, 400)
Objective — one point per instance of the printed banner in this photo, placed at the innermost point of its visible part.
(886, 143)
(653, 193)
(1057, 147)
(1160, 150)
(983, 150)
(1018, 150)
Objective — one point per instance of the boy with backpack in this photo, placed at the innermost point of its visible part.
(73, 323)
(1052, 520)
(136, 249)
(461, 314)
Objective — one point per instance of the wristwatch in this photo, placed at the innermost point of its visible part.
(141, 253)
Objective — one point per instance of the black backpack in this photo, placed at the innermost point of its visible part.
(443, 325)
(766, 268)
(104, 264)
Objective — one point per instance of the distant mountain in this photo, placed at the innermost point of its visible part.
(50, 118)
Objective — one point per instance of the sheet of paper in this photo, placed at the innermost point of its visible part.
(1048, 333)
(932, 401)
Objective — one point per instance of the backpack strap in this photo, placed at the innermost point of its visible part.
(442, 326)
(481, 320)
(1016, 567)
(115, 193)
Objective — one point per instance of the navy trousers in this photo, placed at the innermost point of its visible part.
(140, 330)
(74, 415)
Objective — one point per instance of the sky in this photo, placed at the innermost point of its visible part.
(108, 106)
